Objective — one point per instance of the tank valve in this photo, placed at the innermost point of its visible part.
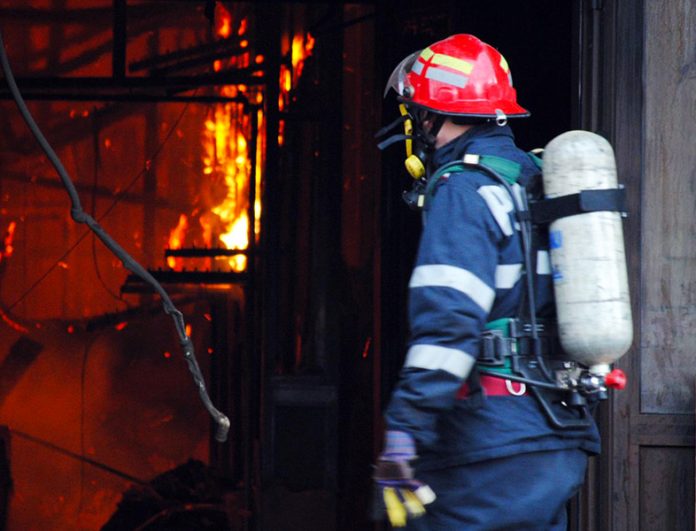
(616, 379)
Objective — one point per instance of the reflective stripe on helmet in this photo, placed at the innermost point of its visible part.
(445, 76)
(440, 74)
(426, 54)
(452, 62)
(504, 64)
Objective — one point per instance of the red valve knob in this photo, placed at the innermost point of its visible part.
(616, 379)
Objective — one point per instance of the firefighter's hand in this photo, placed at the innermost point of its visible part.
(402, 495)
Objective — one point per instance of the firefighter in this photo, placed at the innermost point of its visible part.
(464, 450)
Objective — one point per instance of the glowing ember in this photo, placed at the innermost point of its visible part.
(12, 324)
(366, 348)
(7, 248)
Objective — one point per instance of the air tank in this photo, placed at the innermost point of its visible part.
(587, 254)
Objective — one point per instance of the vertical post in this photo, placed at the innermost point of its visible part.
(270, 216)
(254, 363)
(118, 59)
(267, 26)
(268, 16)
(151, 116)
(327, 179)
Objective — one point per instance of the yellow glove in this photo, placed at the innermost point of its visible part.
(404, 497)
(403, 503)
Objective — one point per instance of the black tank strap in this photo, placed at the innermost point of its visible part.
(548, 210)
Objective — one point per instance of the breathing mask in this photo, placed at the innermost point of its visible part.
(420, 128)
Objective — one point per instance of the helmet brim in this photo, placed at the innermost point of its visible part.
(510, 110)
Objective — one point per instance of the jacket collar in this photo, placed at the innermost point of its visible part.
(485, 139)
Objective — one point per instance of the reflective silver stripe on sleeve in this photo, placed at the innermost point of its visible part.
(543, 263)
(448, 276)
(500, 205)
(507, 275)
(434, 357)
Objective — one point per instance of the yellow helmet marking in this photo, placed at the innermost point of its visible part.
(504, 64)
(426, 54)
(452, 62)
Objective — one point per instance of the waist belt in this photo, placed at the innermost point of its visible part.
(505, 339)
(493, 386)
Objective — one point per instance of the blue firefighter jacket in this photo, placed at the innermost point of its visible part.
(468, 272)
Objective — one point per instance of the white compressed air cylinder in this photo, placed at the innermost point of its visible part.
(587, 254)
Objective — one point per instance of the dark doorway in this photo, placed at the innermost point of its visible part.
(537, 39)
(543, 42)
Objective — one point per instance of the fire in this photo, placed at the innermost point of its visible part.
(226, 157)
(7, 248)
(301, 48)
(223, 21)
(225, 140)
(176, 240)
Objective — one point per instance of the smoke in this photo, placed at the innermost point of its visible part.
(122, 398)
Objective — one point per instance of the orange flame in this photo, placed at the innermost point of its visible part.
(225, 141)
(176, 240)
(223, 21)
(226, 156)
(301, 48)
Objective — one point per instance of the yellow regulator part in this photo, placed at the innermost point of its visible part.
(408, 128)
(414, 166)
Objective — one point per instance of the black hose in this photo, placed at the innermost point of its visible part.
(80, 216)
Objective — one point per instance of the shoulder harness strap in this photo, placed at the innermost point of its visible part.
(508, 169)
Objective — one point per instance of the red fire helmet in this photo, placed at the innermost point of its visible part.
(460, 76)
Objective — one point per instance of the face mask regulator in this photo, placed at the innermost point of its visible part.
(420, 131)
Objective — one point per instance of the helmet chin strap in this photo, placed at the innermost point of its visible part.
(431, 134)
